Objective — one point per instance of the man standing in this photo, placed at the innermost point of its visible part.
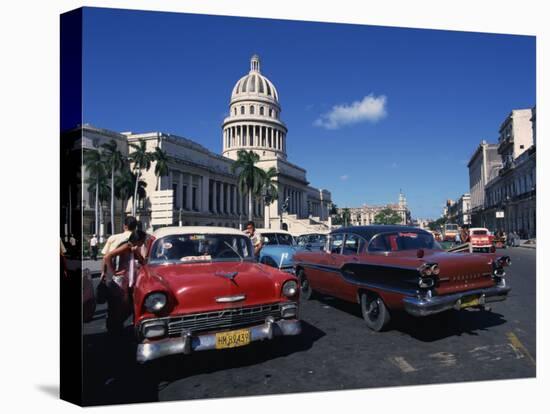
(255, 237)
(93, 247)
(130, 224)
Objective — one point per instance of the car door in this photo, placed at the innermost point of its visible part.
(352, 245)
(328, 269)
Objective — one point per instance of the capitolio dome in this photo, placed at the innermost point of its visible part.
(254, 83)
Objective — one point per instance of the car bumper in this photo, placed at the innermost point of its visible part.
(189, 343)
(424, 306)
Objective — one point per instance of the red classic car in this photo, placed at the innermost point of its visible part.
(201, 288)
(481, 239)
(393, 268)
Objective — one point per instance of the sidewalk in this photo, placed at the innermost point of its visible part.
(528, 244)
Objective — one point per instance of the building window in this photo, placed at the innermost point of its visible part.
(242, 110)
(270, 112)
(261, 110)
(235, 111)
(251, 110)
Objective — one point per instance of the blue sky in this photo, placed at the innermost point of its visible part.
(370, 110)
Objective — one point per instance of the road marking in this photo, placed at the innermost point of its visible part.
(402, 364)
(445, 359)
(517, 346)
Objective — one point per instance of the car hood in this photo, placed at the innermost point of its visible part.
(197, 287)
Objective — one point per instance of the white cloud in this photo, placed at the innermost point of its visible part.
(344, 177)
(371, 108)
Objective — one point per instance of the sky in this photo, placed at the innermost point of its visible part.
(370, 110)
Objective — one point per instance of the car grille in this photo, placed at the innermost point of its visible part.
(223, 319)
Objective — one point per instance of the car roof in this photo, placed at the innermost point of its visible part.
(175, 230)
(367, 232)
(269, 231)
(323, 233)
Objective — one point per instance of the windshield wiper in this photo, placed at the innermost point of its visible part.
(234, 250)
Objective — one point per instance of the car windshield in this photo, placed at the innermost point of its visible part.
(397, 241)
(312, 239)
(186, 248)
(277, 238)
(451, 227)
(480, 232)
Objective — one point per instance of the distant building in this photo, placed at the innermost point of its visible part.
(365, 215)
(483, 167)
(459, 211)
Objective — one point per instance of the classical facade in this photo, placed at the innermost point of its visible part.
(205, 190)
(365, 215)
(512, 191)
(482, 168)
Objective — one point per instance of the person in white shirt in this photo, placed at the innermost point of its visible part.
(130, 224)
(93, 247)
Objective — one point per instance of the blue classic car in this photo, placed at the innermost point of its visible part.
(278, 249)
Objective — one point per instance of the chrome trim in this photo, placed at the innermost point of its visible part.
(188, 343)
(424, 305)
(228, 299)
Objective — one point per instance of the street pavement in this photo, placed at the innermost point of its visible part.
(335, 351)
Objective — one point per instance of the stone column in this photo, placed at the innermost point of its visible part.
(234, 203)
(204, 194)
(214, 196)
(179, 202)
(222, 198)
(190, 192)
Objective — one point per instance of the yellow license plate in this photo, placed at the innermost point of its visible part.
(232, 339)
(469, 301)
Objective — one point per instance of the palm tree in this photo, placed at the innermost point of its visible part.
(161, 165)
(142, 161)
(250, 177)
(114, 161)
(124, 187)
(96, 170)
(269, 191)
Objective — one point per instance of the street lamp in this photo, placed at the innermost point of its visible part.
(284, 208)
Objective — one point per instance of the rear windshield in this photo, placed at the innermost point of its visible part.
(277, 238)
(397, 241)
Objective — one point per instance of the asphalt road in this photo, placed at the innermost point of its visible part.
(336, 351)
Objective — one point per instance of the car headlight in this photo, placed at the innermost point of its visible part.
(290, 289)
(155, 302)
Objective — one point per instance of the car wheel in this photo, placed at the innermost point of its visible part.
(375, 313)
(305, 288)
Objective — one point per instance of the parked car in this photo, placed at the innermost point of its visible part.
(312, 241)
(279, 248)
(481, 239)
(393, 268)
(202, 289)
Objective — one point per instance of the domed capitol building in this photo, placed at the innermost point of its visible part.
(205, 191)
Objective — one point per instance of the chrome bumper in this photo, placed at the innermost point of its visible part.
(424, 306)
(188, 343)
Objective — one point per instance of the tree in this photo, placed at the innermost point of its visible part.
(269, 190)
(387, 216)
(142, 161)
(114, 160)
(161, 164)
(250, 177)
(96, 170)
(437, 224)
(346, 216)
